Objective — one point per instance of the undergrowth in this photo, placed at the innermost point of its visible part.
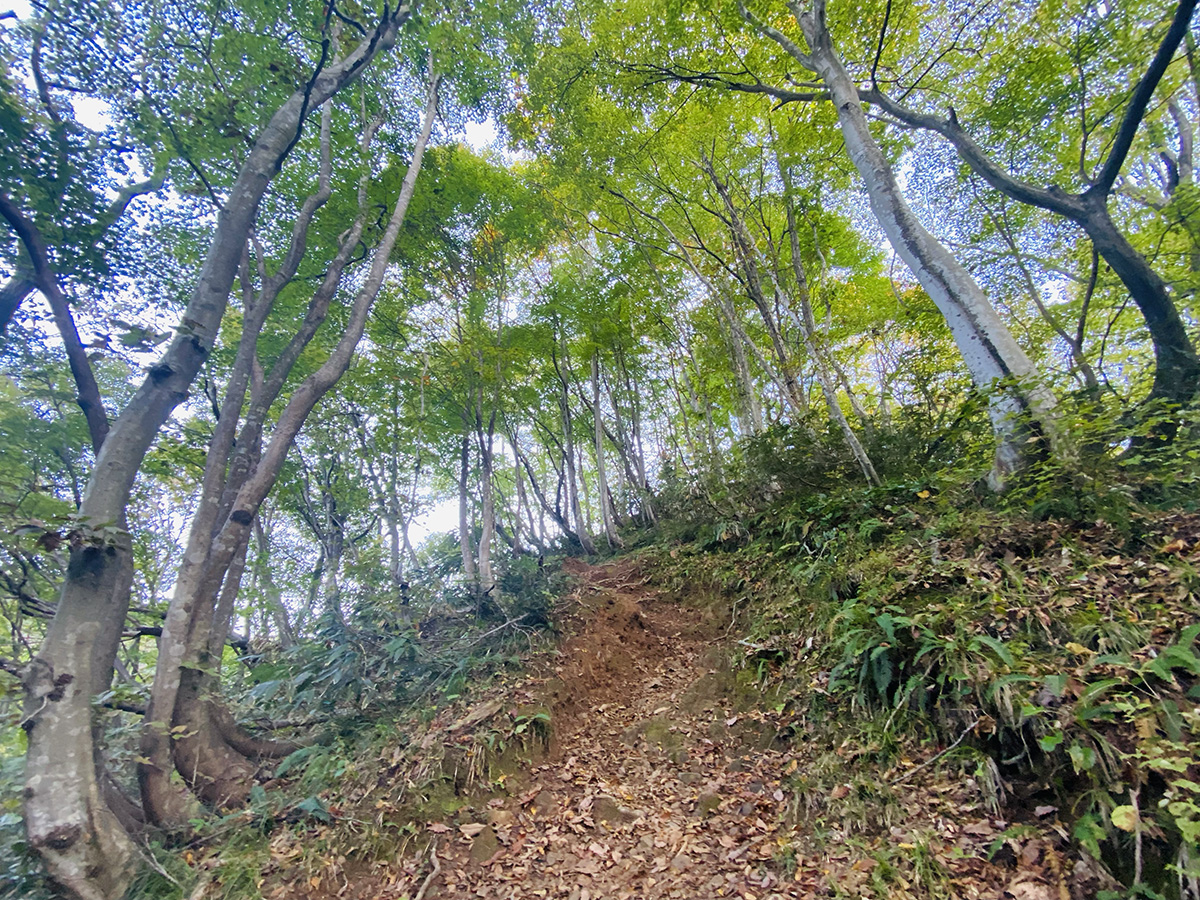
(1043, 641)
(363, 696)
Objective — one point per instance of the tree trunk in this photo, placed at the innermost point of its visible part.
(747, 253)
(807, 323)
(571, 473)
(749, 406)
(606, 511)
(86, 853)
(989, 350)
(486, 437)
(212, 552)
(466, 542)
(1177, 367)
(1177, 372)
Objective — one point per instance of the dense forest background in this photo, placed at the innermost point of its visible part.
(330, 330)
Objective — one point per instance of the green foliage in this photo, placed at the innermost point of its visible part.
(1055, 648)
(20, 874)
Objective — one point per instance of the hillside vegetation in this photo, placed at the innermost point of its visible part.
(664, 449)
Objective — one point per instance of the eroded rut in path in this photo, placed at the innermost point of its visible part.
(657, 786)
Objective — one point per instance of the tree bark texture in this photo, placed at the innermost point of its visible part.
(208, 763)
(988, 348)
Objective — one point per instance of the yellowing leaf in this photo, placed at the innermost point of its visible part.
(1125, 818)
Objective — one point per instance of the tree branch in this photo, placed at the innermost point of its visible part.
(777, 36)
(1141, 98)
(47, 282)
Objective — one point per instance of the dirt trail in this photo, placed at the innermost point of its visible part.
(656, 786)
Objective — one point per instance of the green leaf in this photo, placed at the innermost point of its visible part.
(1125, 818)
(1050, 742)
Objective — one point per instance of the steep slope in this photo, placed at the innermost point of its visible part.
(671, 775)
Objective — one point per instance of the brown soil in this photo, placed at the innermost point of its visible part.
(638, 799)
(665, 779)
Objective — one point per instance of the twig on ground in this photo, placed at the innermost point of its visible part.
(148, 855)
(929, 762)
(437, 867)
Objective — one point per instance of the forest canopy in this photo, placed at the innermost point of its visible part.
(298, 372)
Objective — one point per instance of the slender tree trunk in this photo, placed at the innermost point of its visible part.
(810, 344)
(208, 563)
(749, 405)
(688, 405)
(571, 473)
(606, 511)
(466, 542)
(85, 851)
(486, 437)
(747, 253)
(989, 350)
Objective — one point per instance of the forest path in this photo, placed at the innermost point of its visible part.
(656, 785)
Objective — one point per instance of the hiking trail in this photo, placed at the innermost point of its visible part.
(656, 786)
(664, 777)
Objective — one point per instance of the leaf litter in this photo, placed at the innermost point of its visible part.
(656, 785)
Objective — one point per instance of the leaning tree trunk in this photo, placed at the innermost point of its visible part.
(85, 851)
(209, 565)
(996, 362)
(1177, 366)
(808, 335)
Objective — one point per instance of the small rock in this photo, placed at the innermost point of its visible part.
(544, 804)
(708, 803)
(691, 777)
(501, 818)
(606, 809)
(484, 846)
(681, 863)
